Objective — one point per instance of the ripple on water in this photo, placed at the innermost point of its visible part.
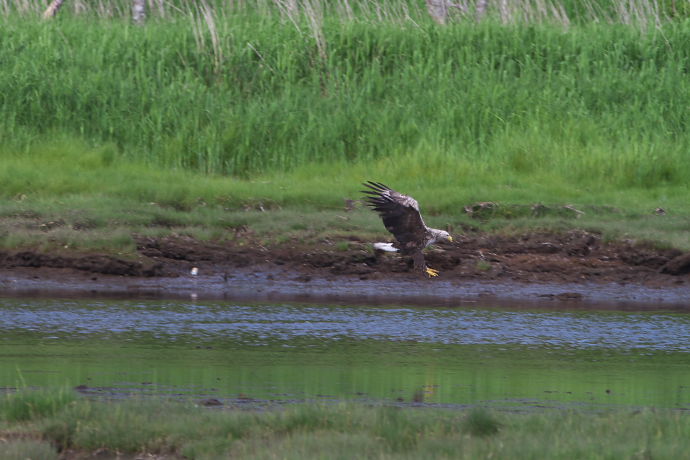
(166, 319)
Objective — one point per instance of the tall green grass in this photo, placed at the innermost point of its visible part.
(29, 404)
(590, 104)
(211, 109)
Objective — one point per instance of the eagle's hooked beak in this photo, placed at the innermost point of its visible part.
(450, 238)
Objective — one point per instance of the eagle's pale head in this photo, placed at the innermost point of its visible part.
(439, 235)
(444, 235)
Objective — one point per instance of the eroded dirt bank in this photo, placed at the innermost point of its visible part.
(573, 266)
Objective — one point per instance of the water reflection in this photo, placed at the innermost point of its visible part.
(296, 352)
(653, 331)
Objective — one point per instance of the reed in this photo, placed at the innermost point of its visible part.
(250, 94)
(565, 12)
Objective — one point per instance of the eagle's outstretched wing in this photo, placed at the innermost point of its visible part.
(400, 214)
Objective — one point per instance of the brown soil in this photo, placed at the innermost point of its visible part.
(574, 268)
(572, 257)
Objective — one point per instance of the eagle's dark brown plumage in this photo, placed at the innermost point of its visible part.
(401, 216)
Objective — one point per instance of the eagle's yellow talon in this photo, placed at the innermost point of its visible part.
(431, 272)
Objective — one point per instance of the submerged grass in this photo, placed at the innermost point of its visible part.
(349, 431)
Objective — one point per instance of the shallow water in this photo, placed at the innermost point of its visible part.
(239, 352)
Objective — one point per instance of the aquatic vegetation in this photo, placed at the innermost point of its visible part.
(448, 356)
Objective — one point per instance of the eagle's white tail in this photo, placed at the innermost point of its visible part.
(388, 247)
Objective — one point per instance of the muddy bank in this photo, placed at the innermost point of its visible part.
(571, 267)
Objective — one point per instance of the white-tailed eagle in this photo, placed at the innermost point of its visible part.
(400, 214)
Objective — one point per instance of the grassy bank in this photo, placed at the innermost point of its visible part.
(202, 118)
(67, 196)
(588, 104)
(37, 425)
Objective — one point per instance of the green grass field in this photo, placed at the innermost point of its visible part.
(37, 425)
(205, 113)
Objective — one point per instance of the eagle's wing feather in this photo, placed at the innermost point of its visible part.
(400, 214)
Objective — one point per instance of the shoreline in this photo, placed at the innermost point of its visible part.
(534, 270)
(270, 285)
